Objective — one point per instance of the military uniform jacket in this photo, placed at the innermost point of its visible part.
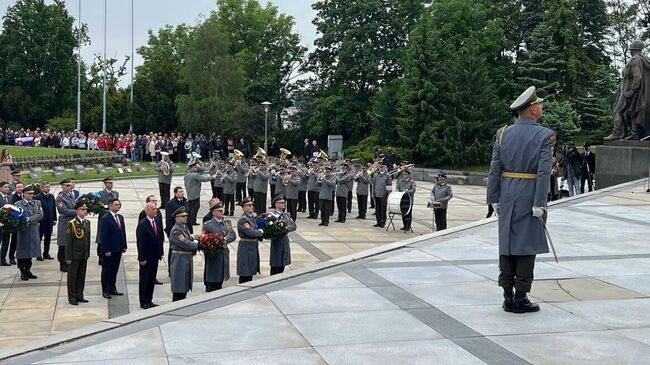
(381, 184)
(327, 186)
(442, 194)
(193, 181)
(217, 267)
(215, 168)
(248, 254)
(261, 183)
(291, 190)
(312, 183)
(280, 248)
(77, 240)
(408, 186)
(250, 180)
(362, 184)
(303, 182)
(524, 147)
(228, 181)
(241, 170)
(28, 243)
(180, 263)
(342, 187)
(65, 207)
(104, 196)
(279, 183)
(351, 174)
(162, 178)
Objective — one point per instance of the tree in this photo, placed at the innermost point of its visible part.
(117, 117)
(624, 18)
(562, 118)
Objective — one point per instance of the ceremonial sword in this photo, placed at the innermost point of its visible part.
(548, 236)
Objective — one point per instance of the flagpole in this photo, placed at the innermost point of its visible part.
(79, 71)
(132, 60)
(104, 76)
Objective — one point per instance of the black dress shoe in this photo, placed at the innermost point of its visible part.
(23, 276)
(382, 226)
(106, 295)
(39, 258)
(115, 292)
(153, 304)
(12, 261)
(73, 302)
(145, 306)
(376, 225)
(48, 257)
(357, 217)
(321, 224)
(523, 305)
(5, 263)
(338, 221)
(158, 282)
(82, 300)
(403, 229)
(30, 275)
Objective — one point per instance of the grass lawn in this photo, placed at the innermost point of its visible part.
(19, 151)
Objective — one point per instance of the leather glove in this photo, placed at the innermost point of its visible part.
(538, 211)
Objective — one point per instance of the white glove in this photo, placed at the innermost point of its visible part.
(495, 206)
(538, 212)
(195, 242)
(261, 230)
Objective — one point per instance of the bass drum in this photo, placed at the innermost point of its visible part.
(399, 203)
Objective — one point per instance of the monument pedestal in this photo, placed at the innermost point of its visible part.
(619, 162)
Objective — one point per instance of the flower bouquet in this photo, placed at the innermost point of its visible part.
(93, 203)
(211, 243)
(273, 226)
(12, 219)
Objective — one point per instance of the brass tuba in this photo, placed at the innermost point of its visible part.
(195, 158)
(237, 154)
(260, 153)
(164, 166)
(323, 155)
(283, 154)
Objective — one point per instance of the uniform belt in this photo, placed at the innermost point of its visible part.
(248, 240)
(519, 175)
(177, 252)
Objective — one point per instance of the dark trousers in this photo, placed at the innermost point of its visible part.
(164, 193)
(110, 266)
(277, 270)
(12, 246)
(251, 192)
(380, 209)
(6, 241)
(46, 237)
(586, 178)
(213, 286)
(245, 279)
(76, 279)
(325, 206)
(341, 205)
(302, 201)
(313, 203)
(441, 219)
(147, 281)
(228, 204)
(272, 186)
(517, 272)
(292, 208)
(349, 201)
(178, 296)
(24, 264)
(219, 192)
(407, 219)
(240, 191)
(260, 203)
(372, 197)
(362, 202)
(60, 255)
(332, 202)
(192, 211)
(214, 191)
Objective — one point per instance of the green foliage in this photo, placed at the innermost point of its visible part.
(365, 149)
(61, 124)
(562, 118)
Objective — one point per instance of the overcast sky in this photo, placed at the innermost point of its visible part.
(153, 14)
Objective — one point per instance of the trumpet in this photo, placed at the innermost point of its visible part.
(359, 174)
(195, 158)
(375, 166)
(237, 155)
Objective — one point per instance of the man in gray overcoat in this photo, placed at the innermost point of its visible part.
(29, 241)
(518, 186)
(217, 267)
(182, 246)
(342, 186)
(65, 204)
(248, 254)
(228, 180)
(326, 183)
(280, 248)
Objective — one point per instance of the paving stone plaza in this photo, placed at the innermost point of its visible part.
(359, 295)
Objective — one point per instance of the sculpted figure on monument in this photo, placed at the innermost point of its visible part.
(632, 109)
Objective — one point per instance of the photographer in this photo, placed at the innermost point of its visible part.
(572, 169)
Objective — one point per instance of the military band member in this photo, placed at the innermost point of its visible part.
(280, 248)
(302, 190)
(181, 245)
(193, 182)
(381, 184)
(351, 172)
(291, 188)
(327, 185)
(28, 243)
(260, 187)
(248, 254)
(65, 204)
(518, 186)
(106, 195)
(342, 185)
(215, 169)
(165, 168)
(250, 179)
(274, 168)
(279, 181)
(217, 267)
(441, 194)
(406, 184)
(241, 167)
(313, 190)
(228, 180)
(363, 179)
(77, 252)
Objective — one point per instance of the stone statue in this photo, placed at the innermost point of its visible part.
(632, 108)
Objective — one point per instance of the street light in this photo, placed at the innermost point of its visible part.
(266, 125)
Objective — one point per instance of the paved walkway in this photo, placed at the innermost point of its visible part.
(431, 300)
(39, 308)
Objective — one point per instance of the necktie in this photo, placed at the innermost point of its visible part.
(155, 229)
(117, 220)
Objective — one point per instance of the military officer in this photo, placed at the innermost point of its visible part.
(381, 186)
(363, 179)
(165, 168)
(280, 248)
(77, 252)
(65, 204)
(105, 195)
(217, 267)
(182, 246)
(193, 181)
(291, 188)
(260, 187)
(28, 244)
(518, 186)
(248, 254)
(228, 180)
(327, 184)
(406, 184)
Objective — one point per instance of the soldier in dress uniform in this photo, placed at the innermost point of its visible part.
(250, 179)
(274, 168)
(313, 190)
(214, 169)
(165, 168)
(228, 180)
(302, 190)
(291, 189)
(240, 186)
(193, 181)
(351, 172)
(181, 245)
(518, 187)
(363, 179)
(279, 182)
(381, 185)
(260, 187)
(106, 195)
(327, 185)
(217, 267)
(77, 252)
(248, 254)
(28, 244)
(280, 248)
(342, 185)
(15, 176)
(65, 204)
(406, 184)
(441, 194)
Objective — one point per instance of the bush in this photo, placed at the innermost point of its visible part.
(364, 151)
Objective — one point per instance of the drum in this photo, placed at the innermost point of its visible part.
(399, 203)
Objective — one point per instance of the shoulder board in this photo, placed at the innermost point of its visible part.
(72, 220)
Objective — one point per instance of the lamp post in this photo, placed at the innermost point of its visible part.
(266, 125)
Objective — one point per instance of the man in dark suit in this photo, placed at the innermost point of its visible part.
(49, 218)
(113, 238)
(75, 192)
(15, 197)
(178, 201)
(149, 238)
(5, 198)
(587, 169)
(106, 195)
(152, 199)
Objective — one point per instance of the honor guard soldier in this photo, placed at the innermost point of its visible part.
(248, 254)
(327, 184)
(342, 185)
(182, 246)
(28, 244)
(280, 248)
(381, 185)
(363, 179)
(293, 182)
(518, 187)
(106, 195)
(228, 180)
(406, 184)
(165, 168)
(15, 176)
(260, 187)
(193, 181)
(77, 252)
(65, 204)
(217, 267)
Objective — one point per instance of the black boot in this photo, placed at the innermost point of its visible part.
(521, 304)
(508, 297)
(23, 275)
(63, 267)
(30, 275)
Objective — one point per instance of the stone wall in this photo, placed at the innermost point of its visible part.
(619, 162)
(68, 161)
